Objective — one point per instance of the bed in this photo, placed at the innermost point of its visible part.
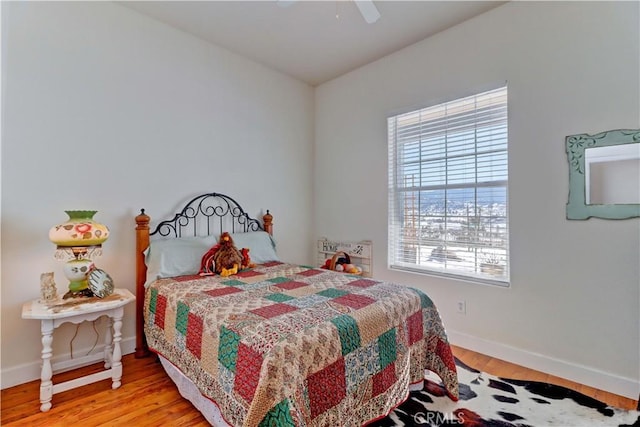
(278, 344)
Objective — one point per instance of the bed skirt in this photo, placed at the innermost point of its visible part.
(189, 391)
(208, 408)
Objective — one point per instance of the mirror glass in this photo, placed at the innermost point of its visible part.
(604, 175)
(612, 174)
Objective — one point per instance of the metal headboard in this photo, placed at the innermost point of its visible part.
(207, 214)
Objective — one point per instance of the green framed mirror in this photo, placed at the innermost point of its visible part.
(604, 175)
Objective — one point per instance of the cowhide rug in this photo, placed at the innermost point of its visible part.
(489, 401)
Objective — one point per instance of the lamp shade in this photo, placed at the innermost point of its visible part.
(79, 230)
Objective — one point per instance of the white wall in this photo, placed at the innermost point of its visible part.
(106, 109)
(573, 305)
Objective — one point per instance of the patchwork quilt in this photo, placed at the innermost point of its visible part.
(289, 345)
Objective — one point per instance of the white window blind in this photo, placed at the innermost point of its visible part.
(448, 199)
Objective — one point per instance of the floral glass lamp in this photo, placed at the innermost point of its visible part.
(78, 240)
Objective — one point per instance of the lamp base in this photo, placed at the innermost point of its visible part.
(77, 271)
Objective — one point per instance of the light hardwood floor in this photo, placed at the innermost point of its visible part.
(147, 396)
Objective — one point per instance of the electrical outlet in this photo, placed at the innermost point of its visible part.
(461, 307)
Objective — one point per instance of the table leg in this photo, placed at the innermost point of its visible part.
(116, 364)
(46, 385)
(108, 344)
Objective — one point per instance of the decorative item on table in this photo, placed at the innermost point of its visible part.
(100, 283)
(48, 291)
(78, 240)
(341, 261)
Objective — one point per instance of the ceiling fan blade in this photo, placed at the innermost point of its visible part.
(368, 10)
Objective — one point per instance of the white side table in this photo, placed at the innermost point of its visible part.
(78, 310)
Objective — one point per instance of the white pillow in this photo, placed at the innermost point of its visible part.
(176, 257)
(262, 247)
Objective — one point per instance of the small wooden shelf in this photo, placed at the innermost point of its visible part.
(359, 252)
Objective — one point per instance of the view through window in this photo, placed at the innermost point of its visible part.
(448, 182)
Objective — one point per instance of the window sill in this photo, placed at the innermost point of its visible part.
(502, 283)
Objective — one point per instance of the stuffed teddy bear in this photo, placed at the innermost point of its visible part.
(246, 259)
(227, 258)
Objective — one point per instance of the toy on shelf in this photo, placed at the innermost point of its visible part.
(353, 257)
(341, 261)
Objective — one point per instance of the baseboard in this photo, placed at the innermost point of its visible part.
(601, 380)
(31, 371)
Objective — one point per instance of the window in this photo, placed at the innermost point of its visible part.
(448, 179)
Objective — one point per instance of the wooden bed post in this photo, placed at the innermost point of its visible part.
(142, 243)
(267, 222)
